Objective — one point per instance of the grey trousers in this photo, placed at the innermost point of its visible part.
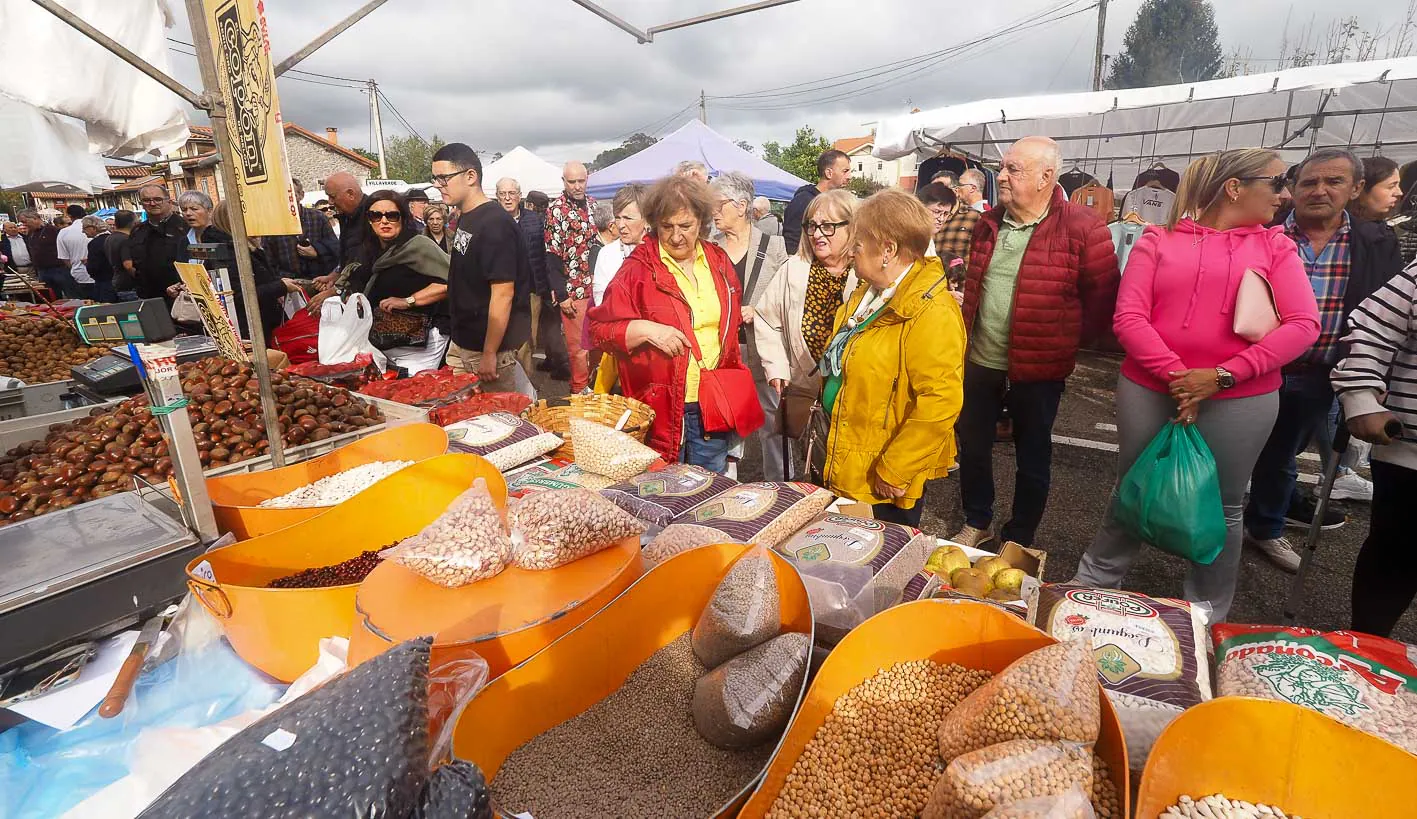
(769, 434)
(1236, 430)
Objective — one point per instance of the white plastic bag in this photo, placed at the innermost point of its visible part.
(344, 330)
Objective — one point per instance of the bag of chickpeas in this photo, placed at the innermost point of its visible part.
(975, 784)
(465, 544)
(1048, 694)
(1074, 804)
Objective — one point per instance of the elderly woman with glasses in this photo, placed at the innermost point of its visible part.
(670, 315)
(894, 367)
(755, 258)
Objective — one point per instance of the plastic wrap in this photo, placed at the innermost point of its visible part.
(841, 596)
(1073, 804)
(557, 473)
(976, 783)
(467, 543)
(553, 528)
(505, 440)
(749, 699)
(660, 496)
(609, 452)
(457, 790)
(1047, 694)
(744, 611)
(351, 374)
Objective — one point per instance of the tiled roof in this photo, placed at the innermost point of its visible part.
(136, 184)
(127, 171)
(853, 143)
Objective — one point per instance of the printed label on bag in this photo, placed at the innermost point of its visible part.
(279, 739)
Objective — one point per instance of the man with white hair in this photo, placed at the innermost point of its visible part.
(570, 231)
(692, 169)
(545, 312)
(1042, 276)
(763, 218)
(970, 189)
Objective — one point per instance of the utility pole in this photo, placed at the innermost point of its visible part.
(378, 127)
(1097, 56)
(703, 107)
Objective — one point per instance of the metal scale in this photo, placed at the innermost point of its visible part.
(98, 567)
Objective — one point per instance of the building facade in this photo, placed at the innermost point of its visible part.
(893, 173)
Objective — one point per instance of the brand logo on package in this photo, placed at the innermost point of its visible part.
(1116, 603)
(243, 64)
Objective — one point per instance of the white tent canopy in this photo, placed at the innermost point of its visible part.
(531, 171)
(1370, 106)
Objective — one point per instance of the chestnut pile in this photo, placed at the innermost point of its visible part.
(40, 349)
(98, 455)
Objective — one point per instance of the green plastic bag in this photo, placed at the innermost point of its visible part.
(1170, 497)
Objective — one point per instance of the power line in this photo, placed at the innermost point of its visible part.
(653, 126)
(401, 117)
(286, 74)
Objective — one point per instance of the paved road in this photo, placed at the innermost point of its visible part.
(1084, 469)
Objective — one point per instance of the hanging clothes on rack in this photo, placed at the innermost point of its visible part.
(1074, 179)
(1169, 179)
(1125, 234)
(1152, 204)
(1094, 196)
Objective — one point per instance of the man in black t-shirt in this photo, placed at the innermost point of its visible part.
(489, 279)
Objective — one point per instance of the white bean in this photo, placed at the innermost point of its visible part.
(336, 488)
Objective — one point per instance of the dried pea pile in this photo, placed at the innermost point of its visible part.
(633, 754)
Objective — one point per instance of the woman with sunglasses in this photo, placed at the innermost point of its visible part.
(409, 277)
(1176, 319)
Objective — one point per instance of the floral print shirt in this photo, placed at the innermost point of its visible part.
(569, 234)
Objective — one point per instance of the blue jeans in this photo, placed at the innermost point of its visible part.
(706, 449)
(1304, 402)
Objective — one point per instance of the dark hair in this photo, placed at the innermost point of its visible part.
(937, 193)
(1376, 169)
(460, 156)
(319, 202)
(76, 212)
(372, 247)
(539, 201)
(418, 194)
(675, 193)
(124, 219)
(1329, 155)
(828, 159)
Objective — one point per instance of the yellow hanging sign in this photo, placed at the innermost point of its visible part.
(220, 325)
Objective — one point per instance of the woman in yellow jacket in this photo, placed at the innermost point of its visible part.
(893, 371)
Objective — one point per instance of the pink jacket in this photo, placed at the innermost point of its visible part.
(1176, 304)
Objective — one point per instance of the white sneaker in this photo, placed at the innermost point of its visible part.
(1279, 551)
(972, 537)
(1352, 486)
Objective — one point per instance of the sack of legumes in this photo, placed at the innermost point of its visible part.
(659, 496)
(556, 473)
(1150, 653)
(1364, 681)
(504, 439)
(764, 513)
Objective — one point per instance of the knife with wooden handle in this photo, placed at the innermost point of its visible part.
(132, 666)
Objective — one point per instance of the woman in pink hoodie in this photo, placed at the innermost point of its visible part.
(1175, 318)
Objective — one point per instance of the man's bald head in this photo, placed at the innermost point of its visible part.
(574, 177)
(1027, 175)
(1043, 151)
(344, 192)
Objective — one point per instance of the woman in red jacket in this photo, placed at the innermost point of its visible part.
(672, 311)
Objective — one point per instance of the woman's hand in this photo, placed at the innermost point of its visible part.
(393, 303)
(313, 308)
(778, 384)
(748, 314)
(175, 290)
(290, 285)
(885, 490)
(1190, 387)
(666, 339)
(568, 308)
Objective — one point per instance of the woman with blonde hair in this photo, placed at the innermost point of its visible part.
(1177, 316)
(435, 225)
(894, 366)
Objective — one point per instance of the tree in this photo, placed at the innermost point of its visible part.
(800, 157)
(636, 143)
(1171, 41)
(410, 158)
(496, 156)
(864, 186)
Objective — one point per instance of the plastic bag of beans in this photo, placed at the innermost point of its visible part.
(1074, 804)
(609, 452)
(467, 543)
(976, 783)
(749, 699)
(556, 527)
(356, 746)
(764, 513)
(744, 611)
(660, 496)
(457, 790)
(556, 473)
(1048, 694)
(505, 440)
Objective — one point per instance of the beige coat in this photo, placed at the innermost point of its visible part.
(777, 326)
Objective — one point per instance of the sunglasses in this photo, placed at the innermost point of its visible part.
(376, 216)
(1277, 182)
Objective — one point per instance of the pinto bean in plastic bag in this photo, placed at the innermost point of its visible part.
(1048, 694)
(744, 611)
(976, 783)
(467, 543)
(749, 699)
(558, 526)
(609, 452)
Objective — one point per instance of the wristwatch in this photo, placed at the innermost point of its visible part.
(412, 302)
(1223, 378)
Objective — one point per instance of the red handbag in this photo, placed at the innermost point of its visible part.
(299, 337)
(728, 398)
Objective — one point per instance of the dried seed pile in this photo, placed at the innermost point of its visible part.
(609, 452)
(749, 699)
(344, 573)
(875, 755)
(1106, 804)
(1070, 805)
(743, 612)
(336, 488)
(1217, 806)
(633, 754)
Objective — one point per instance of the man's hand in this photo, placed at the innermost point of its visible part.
(1372, 427)
(313, 308)
(778, 384)
(306, 251)
(393, 303)
(327, 280)
(748, 314)
(1190, 387)
(175, 290)
(487, 368)
(290, 285)
(568, 308)
(885, 490)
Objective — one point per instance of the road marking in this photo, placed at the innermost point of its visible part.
(1084, 443)
(1105, 427)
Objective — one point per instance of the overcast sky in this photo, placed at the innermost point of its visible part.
(551, 76)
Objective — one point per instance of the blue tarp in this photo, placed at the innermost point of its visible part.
(694, 141)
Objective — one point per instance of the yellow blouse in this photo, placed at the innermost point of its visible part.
(704, 312)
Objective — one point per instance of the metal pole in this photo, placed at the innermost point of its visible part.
(378, 127)
(1097, 55)
(216, 110)
(703, 107)
(118, 50)
(719, 15)
(319, 42)
(643, 37)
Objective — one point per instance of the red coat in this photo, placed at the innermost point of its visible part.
(1067, 288)
(645, 289)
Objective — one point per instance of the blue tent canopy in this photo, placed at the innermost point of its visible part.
(694, 141)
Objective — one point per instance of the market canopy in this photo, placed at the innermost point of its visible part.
(1370, 106)
(694, 141)
(531, 172)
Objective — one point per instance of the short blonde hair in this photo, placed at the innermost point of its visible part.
(895, 216)
(837, 205)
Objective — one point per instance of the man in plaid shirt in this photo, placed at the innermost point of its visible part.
(1347, 261)
(314, 258)
(569, 233)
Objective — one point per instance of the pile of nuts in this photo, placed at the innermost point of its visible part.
(979, 781)
(336, 488)
(1217, 806)
(98, 455)
(345, 573)
(874, 755)
(40, 349)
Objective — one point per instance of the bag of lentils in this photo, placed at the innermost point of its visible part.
(744, 611)
(467, 543)
(976, 783)
(505, 440)
(749, 699)
(556, 527)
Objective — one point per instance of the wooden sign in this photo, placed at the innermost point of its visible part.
(242, 52)
(220, 324)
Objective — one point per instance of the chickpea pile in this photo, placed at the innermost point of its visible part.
(874, 756)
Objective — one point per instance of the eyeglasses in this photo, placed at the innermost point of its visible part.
(325, 209)
(507, 194)
(441, 180)
(827, 229)
(376, 216)
(1277, 182)
(153, 201)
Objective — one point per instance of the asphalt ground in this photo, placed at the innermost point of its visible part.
(1084, 470)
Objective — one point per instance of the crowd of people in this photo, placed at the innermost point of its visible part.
(875, 345)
